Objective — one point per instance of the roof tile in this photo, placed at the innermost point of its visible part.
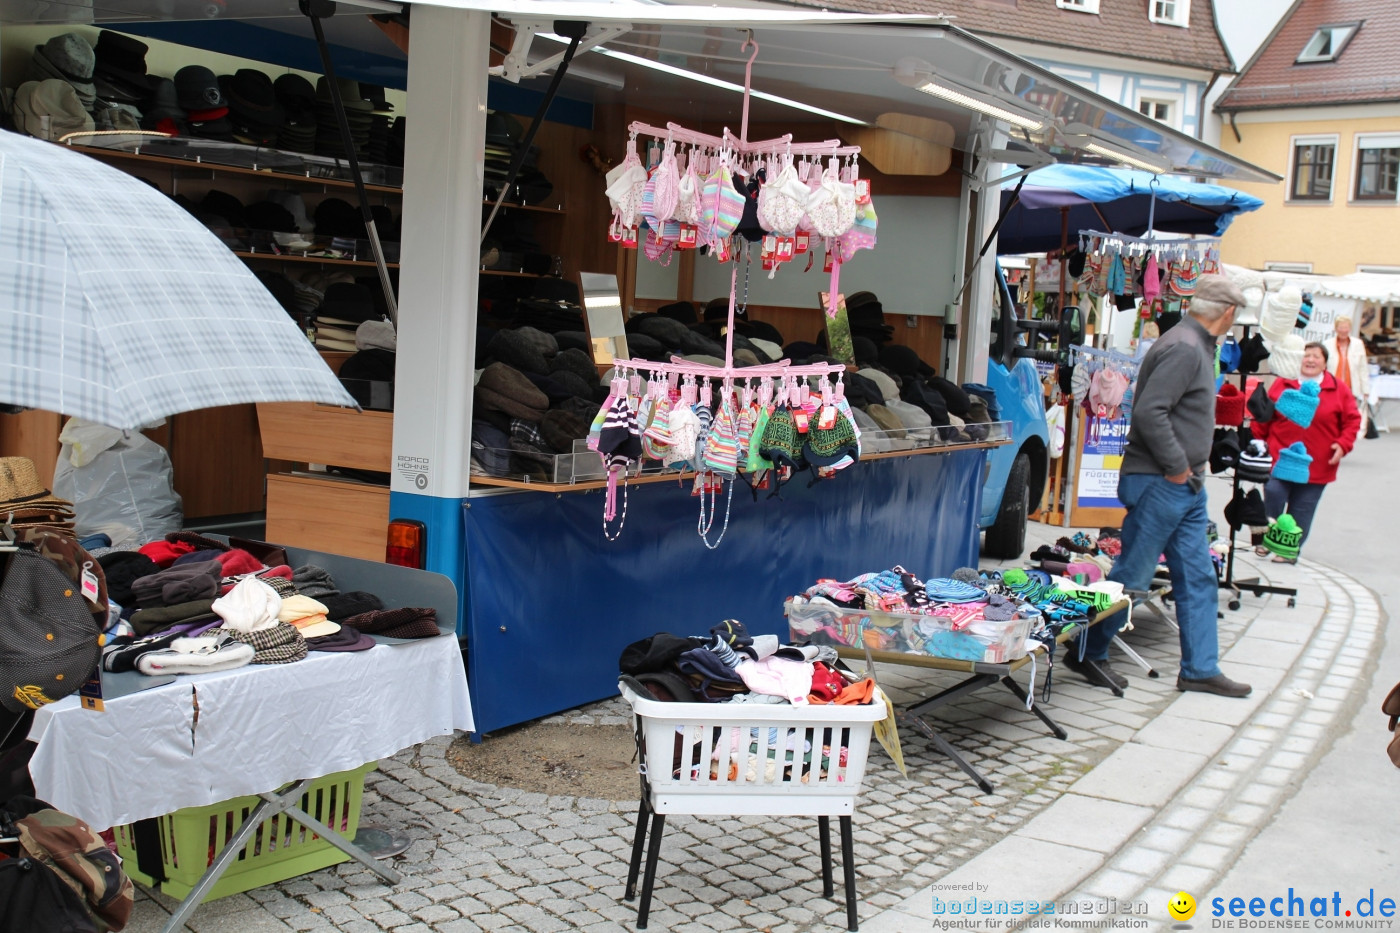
(1367, 71)
(1121, 27)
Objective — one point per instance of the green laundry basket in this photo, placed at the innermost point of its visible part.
(281, 848)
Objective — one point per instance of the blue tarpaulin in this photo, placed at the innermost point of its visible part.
(1111, 200)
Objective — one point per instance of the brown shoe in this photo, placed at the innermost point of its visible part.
(1219, 685)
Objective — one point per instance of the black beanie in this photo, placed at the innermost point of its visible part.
(349, 604)
(122, 568)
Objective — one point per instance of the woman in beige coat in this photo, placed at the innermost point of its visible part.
(1346, 359)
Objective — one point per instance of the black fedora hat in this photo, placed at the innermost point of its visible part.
(122, 57)
(197, 88)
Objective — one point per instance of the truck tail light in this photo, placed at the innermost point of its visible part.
(408, 543)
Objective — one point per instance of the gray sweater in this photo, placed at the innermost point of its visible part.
(1173, 417)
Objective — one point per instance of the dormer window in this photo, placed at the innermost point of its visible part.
(1170, 12)
(1327, 43)
(1080, 6)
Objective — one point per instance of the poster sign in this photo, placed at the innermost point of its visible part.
(1099, 460)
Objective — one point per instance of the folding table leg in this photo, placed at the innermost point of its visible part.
(1044, 717)
(1136, 658)
(824, 831)
(848, 870)
(336, 839)
(658, 826)
(942, 745)
(638, 841)
(271, 804)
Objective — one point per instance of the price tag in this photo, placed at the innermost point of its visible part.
(629, 237)
(615, 231)
(770, 246)
(804, 242)
(722, 254)
(768, 264)
(89, 584)
(862, 190)
(687, 237)
(90, 693)
(801, 419)
(827, 419)
(785, 250)
(826, 266)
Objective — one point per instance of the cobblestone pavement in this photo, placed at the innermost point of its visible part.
(1150, 793)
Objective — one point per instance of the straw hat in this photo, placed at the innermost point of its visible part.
(20, 489)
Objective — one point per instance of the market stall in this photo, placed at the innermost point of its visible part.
(521, 617)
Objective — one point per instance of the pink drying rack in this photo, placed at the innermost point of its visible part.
(740, 145)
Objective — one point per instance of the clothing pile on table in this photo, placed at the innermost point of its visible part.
(729, 665)
(79, 88)
(188, 604)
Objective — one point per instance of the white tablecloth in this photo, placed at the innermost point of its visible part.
(1384, 387)
(260, 726)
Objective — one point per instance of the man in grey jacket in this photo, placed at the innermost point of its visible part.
(1162, 484)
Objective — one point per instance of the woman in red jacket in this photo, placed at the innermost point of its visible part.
(1328, 439)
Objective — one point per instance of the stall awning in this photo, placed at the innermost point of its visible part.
(683, 57)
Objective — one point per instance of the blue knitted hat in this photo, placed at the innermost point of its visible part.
(1293, 464)
(1298, 405)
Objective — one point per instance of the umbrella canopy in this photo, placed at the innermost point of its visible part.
(118, 306)
(1114, 201)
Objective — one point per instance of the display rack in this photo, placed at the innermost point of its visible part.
(1254, 584)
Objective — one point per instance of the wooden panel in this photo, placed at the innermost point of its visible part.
(311, 433)
(339, 517)
(32, 434)
(218, 460)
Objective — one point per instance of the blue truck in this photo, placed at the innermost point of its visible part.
(1016, 472)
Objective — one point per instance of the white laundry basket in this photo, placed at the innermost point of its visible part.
(739, 759)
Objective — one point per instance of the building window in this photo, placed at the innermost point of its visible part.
(1171, 12)
(1377, 167)
(1312, 170)
(1327, 43)
(1299, 268)
(1083, 6)
(1160, 110)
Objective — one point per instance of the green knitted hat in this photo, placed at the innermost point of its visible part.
(1284, 537)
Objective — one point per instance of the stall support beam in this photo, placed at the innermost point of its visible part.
(443, 174)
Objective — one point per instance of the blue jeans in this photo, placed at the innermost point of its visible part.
(1167, 518)
(1297, 499)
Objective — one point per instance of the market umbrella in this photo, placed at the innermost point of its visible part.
(1069, 198)
(118, 306)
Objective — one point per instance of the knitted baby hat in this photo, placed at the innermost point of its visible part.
(1298, 405)
(1229, 406)
(1254, 463)
(1294, 464)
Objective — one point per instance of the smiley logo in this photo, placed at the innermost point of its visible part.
(1182, 906)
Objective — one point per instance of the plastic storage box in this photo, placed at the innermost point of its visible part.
(936, 636)
(280, 849)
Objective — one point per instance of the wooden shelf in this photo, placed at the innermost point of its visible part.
(507, 206)
(283, 257)
(122, 155)
(670, 477)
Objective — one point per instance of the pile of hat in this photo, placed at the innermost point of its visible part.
(504, 138)
(254, 112)
(358, 114)
(188, 603)
(59, 96)
(536, 394)
(677, 329)
(25, 502)
(297, 98)
(381, 132)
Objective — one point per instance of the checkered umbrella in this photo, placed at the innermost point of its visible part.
(118, 306)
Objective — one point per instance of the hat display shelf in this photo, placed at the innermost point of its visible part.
(1254, 585)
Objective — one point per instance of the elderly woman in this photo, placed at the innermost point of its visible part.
(1328, 438)
(1346, 359)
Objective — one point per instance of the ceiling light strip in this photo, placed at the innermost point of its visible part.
(961, 99)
